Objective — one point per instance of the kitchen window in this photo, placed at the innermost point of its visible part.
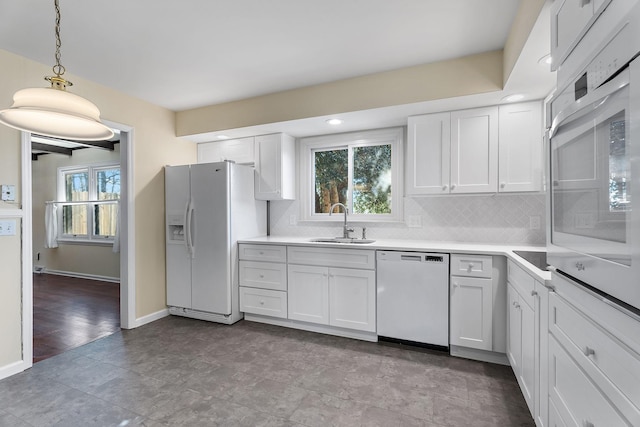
(88, 203)
(362, 170)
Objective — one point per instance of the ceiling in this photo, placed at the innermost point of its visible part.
(192, 53)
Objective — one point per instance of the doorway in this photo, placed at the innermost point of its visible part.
(34, 262)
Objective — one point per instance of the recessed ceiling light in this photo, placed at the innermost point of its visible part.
(513, 98)
(545, 60)
(334, 122)
(223, 137)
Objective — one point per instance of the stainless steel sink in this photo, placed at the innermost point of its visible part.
(341, 240)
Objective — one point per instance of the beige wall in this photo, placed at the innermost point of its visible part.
(154, 145)
(72, 258)
(528, 12)
(470, 75)
(10, 295)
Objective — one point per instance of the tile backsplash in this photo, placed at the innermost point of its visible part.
(471, 218)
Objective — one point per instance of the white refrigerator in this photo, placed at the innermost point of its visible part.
(209, 206)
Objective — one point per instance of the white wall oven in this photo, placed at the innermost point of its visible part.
(595, 173)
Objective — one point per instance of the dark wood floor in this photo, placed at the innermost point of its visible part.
(69, 312)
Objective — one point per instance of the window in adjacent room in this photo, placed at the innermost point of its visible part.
(88, 208)
(360, 170)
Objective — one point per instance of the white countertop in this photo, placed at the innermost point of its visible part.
(420, 245)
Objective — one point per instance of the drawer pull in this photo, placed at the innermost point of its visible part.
(588, 351)
(262, 276)
(586, 423)
(516, 305)
(261, 253)
(470, 267)
(261, 302)
(534, 293)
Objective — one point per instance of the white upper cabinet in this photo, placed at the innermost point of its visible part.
(238, 150)
(428, 154)
(474, 148)
(520, 147)
(481, 150)
(275, 167)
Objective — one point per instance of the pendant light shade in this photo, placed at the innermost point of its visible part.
(56, 113)
(53, 111)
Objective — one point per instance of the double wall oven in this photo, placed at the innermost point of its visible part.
(595, 171)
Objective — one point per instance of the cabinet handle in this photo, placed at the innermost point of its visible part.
(503, 184)
(261, 302)
(455, 284)
(469, 267)
(444, 187)
(588, 351)
(534, 293)
(583, 3)
(262, 276)
(517, 305)
(453, 186)
(586, 423)
(261, 253)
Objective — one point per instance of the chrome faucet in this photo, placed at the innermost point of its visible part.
(345, 229)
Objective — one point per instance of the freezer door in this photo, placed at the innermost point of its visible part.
(178, 264)
(210, 235)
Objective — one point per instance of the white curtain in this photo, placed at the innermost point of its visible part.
(51, 225)
(116, 238)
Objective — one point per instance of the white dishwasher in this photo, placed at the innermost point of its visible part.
(413, 297)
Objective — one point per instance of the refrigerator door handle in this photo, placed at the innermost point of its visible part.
(190, 212)
(185, 228)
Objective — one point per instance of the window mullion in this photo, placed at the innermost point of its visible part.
(350, 178)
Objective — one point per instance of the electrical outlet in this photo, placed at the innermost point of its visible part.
(8, 227)
(534, 222)
(8, 193)
(414, 221)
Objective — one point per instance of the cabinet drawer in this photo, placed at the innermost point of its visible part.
(263, 301)
(574, 396)
(611, 365)
(272, 253)
(471, 265)
(332, 257)
(522, 282)
(265, 275)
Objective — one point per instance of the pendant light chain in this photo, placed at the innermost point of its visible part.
(58, 69)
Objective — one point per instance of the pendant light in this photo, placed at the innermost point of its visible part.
(53, 111)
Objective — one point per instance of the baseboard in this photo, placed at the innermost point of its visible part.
(81, 275)
(14, 368)
(480, 355)
(329, 330)
(151, 317)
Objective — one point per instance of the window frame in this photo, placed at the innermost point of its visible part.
(350, 140)
(92, 171)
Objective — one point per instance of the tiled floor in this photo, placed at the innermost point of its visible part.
(183, 372)
(69, 312)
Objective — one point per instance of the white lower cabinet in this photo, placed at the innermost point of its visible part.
(471, 312)
(308, 293)
(521, 346)
(338, 297)
(263, 301)
(352, 299)
(262, 273)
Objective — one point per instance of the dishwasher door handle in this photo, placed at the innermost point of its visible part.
(411, 257)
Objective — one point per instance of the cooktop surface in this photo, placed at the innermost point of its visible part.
(539, 259)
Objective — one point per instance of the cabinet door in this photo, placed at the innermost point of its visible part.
(274, 160)
(428, 154)
(569, 19)
(520, 147)
(471, 312)
(528, 354)
(308, 293)
(514, 328)
(352, 299)
(239, 150)
(474, 150)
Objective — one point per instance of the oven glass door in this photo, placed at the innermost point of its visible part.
(591, 182)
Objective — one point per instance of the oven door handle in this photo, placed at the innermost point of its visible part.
(596, 98)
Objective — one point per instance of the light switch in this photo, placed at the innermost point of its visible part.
(8, 193)
(8, 227)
